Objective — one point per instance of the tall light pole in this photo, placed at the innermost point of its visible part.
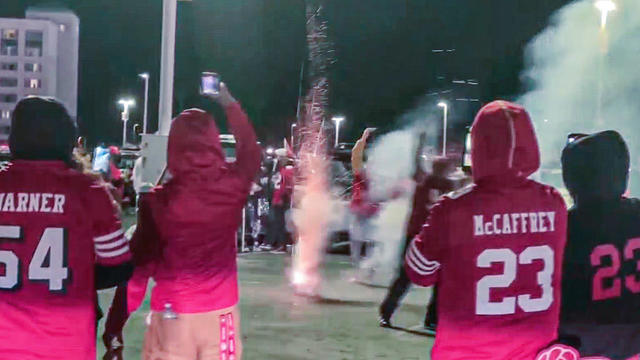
(126, 104)
(445, 108)
(337, 120)
(145, 77)
(167, 63)
(605, 7)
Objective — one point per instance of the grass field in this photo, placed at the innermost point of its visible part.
(278, 325)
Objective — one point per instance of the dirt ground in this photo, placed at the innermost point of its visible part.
(340, 325)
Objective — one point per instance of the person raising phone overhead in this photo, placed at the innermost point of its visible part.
(195, 216)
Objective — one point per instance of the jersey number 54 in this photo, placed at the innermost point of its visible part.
(48, 263)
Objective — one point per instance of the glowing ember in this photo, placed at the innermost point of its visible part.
(298, 278)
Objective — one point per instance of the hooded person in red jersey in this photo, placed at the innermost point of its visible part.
(60, 239)
(495, 248)
(193, 220)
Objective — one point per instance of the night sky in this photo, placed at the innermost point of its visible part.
(383, 49)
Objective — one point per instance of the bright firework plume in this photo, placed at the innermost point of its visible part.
(314, 204)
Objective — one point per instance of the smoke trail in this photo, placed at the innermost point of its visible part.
(312, 221)
(584, 78)
(390, 166)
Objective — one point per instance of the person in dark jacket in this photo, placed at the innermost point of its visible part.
(600, 312)
(428, 190)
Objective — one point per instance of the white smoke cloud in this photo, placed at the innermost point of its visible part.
(390, 167)
(583, 78)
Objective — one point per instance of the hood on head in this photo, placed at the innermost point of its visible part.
(194, 144)
(596, 166)
(503, 142)
(41, 129)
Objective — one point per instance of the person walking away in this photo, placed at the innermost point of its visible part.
(195, 217)
(495, 248)
(60, 240)
(600, 286)
(283, 183)
(429, 190)
(361, 205)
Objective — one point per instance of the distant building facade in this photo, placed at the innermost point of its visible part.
(38, 56)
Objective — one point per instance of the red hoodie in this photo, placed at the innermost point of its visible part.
(495, 248)
(196, 214)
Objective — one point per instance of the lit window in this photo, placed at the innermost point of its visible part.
(33, 67)
(33, 44)
(8, 98)
(11, 66)
(6, 114)
(8, 82)
(33, 83)
(9, 42)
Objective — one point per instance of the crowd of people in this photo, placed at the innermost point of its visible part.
(517, 275)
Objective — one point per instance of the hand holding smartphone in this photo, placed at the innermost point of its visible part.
(211, 86)
(209, 83)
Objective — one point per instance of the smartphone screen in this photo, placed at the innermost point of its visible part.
(209, 83)
(466, 156)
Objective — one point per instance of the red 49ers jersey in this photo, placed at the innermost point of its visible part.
(498, 266)
(55, 225)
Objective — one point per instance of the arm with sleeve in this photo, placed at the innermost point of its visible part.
(247, 148)
(111, 247)
(424, 254)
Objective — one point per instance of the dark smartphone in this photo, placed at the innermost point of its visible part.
(574, 137)
(209, 83)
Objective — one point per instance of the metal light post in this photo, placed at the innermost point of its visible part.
(605, 7)
(338, 120)
(167, 63)
(126, 103)
(445, 108)
(145, 77)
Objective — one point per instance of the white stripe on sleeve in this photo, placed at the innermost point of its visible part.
(421, 259)
(105, 238)
(112, 244)
(419, 267)
(110, 254)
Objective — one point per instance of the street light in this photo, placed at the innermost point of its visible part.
(126, 104)
(445, 108)
(605, 7)
(338, 120)
(145, 77)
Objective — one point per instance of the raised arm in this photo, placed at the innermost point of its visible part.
(357, 154)
(247, 149)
